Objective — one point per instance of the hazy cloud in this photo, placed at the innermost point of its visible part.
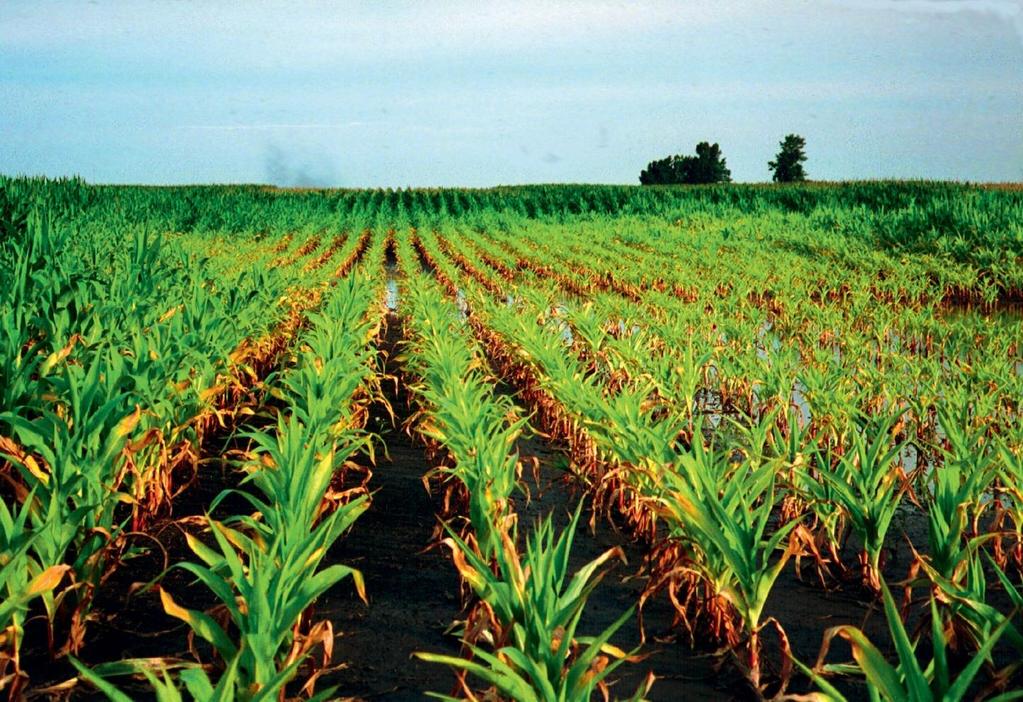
(1010, 10)
(291, 170)
(285, 126)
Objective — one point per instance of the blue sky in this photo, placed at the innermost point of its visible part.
(477, 93)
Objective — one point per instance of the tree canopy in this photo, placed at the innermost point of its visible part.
(788, 164)
(707, 166)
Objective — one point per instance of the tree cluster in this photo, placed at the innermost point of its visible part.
(708, 165)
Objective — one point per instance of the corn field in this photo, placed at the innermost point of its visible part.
(780, 425)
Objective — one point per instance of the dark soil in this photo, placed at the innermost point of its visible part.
(412, 588)
(682, 673)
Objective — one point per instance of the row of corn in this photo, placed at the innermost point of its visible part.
(267, 565)
(520, 636)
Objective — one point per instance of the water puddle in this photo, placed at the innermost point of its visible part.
(391, 268)
(391, 297)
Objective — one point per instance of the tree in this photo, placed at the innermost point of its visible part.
(664, 171)
(707, 166)
(788, 164)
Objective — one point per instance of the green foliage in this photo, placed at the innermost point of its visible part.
(635, 324)
(707, 166)
(787, 166)
(908, 680)
(537, 609)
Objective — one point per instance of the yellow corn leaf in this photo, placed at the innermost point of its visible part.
(313, 557)
(148, 438)
(170, 313)
(173, 608)
(613, 650)
(211, 393)
(33, 467)
(360, 584)
(127, 425)
(467, 572)
(47, 580)
(57, 356)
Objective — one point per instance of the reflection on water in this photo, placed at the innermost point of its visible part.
(392, 294)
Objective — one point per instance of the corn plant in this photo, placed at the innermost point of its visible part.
(1009, 471)
(75, 482)
(955, 494)
(461, 412)
(166, 681)
(724, 509)
(868, 486)
(264, 588)
(971, 617)
(536, 608)
(908, 680)
(22, 580)
(267, 572)
(266, 567)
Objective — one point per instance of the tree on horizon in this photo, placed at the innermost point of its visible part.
(788, 164)
(707, 166)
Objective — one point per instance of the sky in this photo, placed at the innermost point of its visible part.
(436, 92)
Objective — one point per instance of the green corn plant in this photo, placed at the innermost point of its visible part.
(536, 607)
(20, 361)
(956, 489)
(292, 473)
(22, 580)
(626, 428)
(265, 587)
(908, 680)
(462, 413)
(1009, 488)
(266, 570)
(166, 681)
(966, 599)
(467, 421)
(825, 505)
(74, 486)
(681, 376)
(724, 509)
(322, 388)
(268, 575)
(868, 487)
(796, 445)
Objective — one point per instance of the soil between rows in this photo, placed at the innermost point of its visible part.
(412, 589)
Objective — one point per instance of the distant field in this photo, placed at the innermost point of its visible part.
(261, 443)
